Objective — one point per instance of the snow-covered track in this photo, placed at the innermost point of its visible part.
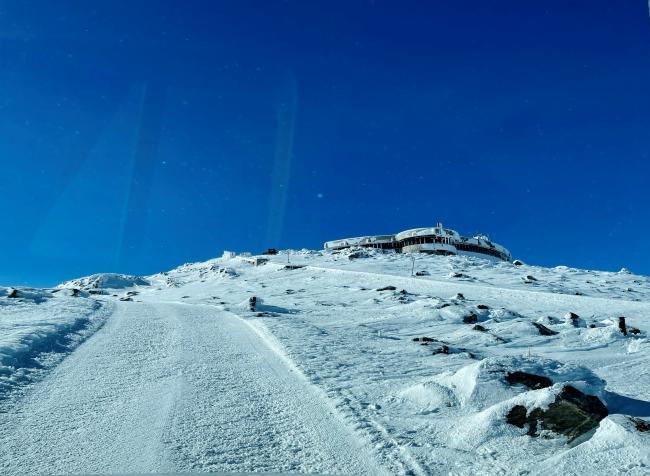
(170, 387)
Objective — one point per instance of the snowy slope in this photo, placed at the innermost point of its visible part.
(417, 373)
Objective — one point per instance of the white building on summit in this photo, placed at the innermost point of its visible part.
(435, 240)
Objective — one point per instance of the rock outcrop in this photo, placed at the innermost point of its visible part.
(572, 414)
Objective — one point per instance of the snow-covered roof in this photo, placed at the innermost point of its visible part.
(431, 231)
(437, 231)
(360, 240)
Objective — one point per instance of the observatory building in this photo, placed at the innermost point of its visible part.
(435, 240)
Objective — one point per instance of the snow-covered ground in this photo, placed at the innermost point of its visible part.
(38, 327)
(341, 363)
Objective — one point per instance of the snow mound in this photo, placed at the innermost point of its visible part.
(617, 442)
(105, 281)
(428, 397)
(485, 383)
(39, 327)
(491, 391)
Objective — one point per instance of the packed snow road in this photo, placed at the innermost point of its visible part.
(173, 387)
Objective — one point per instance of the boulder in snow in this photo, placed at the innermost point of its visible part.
(387, 288)
(575, 320)
(423, 339)
(543, 330)
(470, 318)
(641, 425)
(572, 414)
(532, 381)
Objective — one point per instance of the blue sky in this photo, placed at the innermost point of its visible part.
(135, 136)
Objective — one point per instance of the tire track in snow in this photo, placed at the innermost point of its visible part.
(165, 388)
(243, 407)
(395, 455)
(104, 408)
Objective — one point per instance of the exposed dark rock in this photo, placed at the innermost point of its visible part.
(403, 296)
(572, 414)
(482, 307)
(252, 303)
(479, 328)
(517, 416)
(387, 288)
(470, 318)
(75, 292)
(443, 305)
(357, 254)
(543, 330)
(422, 273)
(575, 320)
(423, 339)
(532, 381)
(443, 349)
(633, 330)
(518, 262)
(126, 298)
(640, 425)
(552, 320)
(622, 326)
(460, 296)
(13, 294)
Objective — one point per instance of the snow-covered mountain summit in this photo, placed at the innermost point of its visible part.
(435, 364)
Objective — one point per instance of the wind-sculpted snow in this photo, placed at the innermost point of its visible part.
(38, 328)
(434, 366)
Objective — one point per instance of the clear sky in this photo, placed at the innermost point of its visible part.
(138, 135)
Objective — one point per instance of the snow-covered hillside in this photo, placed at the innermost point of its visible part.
(439, 365)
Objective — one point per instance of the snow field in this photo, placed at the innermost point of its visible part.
(344, 363)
